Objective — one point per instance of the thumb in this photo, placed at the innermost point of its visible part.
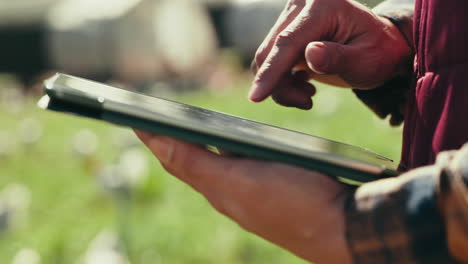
(328, 57)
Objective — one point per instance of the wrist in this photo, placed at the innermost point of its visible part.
(334, 245)
(337, 227)
(398, 15)
(399, 46)
(396, 220)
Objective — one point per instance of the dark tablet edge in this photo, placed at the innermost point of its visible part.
(347, 175)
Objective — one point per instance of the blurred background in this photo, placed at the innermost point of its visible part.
(74, 190)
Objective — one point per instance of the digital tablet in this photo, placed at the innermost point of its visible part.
(65, 93)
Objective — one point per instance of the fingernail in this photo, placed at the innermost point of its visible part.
(163, 149)
(317, 58)
(253, 93)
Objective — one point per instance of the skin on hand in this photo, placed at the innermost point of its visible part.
(339, 42)
(297, 209)
(336, 41)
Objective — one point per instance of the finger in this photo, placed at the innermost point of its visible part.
(298, 101)
(196, 166)
(253, 67)
(294, 92)
(301, 65)
(291, 10)
(331, 57)
(288, 48)
(225, 182)
(396, 119)
(331, 79)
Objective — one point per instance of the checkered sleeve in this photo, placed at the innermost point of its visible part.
(419, 217)
(453, 201)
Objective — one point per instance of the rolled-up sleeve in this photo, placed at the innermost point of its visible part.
(418, 217)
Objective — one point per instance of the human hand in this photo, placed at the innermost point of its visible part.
(340, 41)
(299, 210)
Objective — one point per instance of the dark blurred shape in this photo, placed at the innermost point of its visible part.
(22, 38)
(242, 25)
(138, 42)
(133, 41)
(22, 51)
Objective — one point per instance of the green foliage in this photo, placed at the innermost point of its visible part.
(162, 220)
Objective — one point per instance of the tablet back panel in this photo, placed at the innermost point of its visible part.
(197, 125)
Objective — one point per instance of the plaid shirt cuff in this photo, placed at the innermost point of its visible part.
(418, 217)
(453, 200)
(397, 221)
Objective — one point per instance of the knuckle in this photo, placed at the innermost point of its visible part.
(183, 164)
(285, 39)
(259, 58)
(339, 50)
(264, 72)
(294, 3)
(253, 66)
(178, 159)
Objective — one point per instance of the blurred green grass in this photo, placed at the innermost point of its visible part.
(166, 221)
